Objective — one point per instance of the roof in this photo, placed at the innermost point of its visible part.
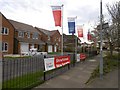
(22, 27)
(47, 32)
(6, 19)
(31, 41)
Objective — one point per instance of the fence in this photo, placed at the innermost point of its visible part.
(28, 72)
(22, 72)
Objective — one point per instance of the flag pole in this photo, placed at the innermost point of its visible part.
(62, 30)
(76, 45)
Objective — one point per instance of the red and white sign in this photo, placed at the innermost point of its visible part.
(49, 64)
(57, 15)
(61, 61)
(58, 61)
(80, 31)
(82, 56)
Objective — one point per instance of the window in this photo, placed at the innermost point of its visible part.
(35, 36)
(59, 39)
(5, 31)
(20, 34)
(28, 34)
(4, 46)
(48, 38)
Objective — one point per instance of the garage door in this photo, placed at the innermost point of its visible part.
(24, 47)
(55, 49)
(49, 48)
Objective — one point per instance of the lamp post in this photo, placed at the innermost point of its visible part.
(101, 52)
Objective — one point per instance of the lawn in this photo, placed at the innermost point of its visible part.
(27, 80)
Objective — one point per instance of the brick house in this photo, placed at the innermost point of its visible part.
(52, 40)
(26, 37)
(7, 33)
(18, 37)
(69, 43)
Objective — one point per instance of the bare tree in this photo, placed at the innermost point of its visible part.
(114, 30)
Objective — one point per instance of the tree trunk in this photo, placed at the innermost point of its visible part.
(111, 49)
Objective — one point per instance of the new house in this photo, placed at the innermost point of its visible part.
(26, 37)
(18, 38)
(52, 39)
(7, 35)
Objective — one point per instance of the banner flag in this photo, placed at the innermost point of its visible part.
(71, 25)
(80, 31)
(57, 15)
(89, 36)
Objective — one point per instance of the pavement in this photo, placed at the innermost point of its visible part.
(109, 81)
(77, 77)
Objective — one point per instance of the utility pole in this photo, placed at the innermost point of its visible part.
(101, 52)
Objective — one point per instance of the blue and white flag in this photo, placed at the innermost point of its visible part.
(71, 25)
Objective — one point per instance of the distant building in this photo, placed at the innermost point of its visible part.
(52, 40)
(69, 42)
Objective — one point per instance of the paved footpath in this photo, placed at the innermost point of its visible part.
(75, 77)
(110, 80)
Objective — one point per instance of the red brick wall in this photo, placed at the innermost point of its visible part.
(10, 37)
(55, 39)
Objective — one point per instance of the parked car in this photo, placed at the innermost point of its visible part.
(33, 51)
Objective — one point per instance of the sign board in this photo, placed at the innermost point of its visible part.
(57, 61)
(78, 57)
(82, 56)
(61, 61)
(49, 64)
(104, 26)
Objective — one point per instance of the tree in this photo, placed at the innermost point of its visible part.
(114, 11)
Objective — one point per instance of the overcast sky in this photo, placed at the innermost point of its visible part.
(39, 13)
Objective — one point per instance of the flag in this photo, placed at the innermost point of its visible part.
(71, 25)
(89, 35)
(80, 31)
(57, 15)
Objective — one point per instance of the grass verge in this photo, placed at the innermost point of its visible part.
(109, 64)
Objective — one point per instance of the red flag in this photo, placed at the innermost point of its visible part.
(89, 36)
(57, 15)
(80, 31)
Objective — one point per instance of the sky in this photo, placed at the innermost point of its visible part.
(39, 13)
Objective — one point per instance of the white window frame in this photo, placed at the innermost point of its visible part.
(35, 35)
(3, 47)
(28, 34)
(59, 40)
(19, 34)
(48, 38)
(4, 31)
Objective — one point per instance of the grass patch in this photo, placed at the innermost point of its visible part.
(24, 81)
(10, 57)
(109, 64)
(54, 53)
